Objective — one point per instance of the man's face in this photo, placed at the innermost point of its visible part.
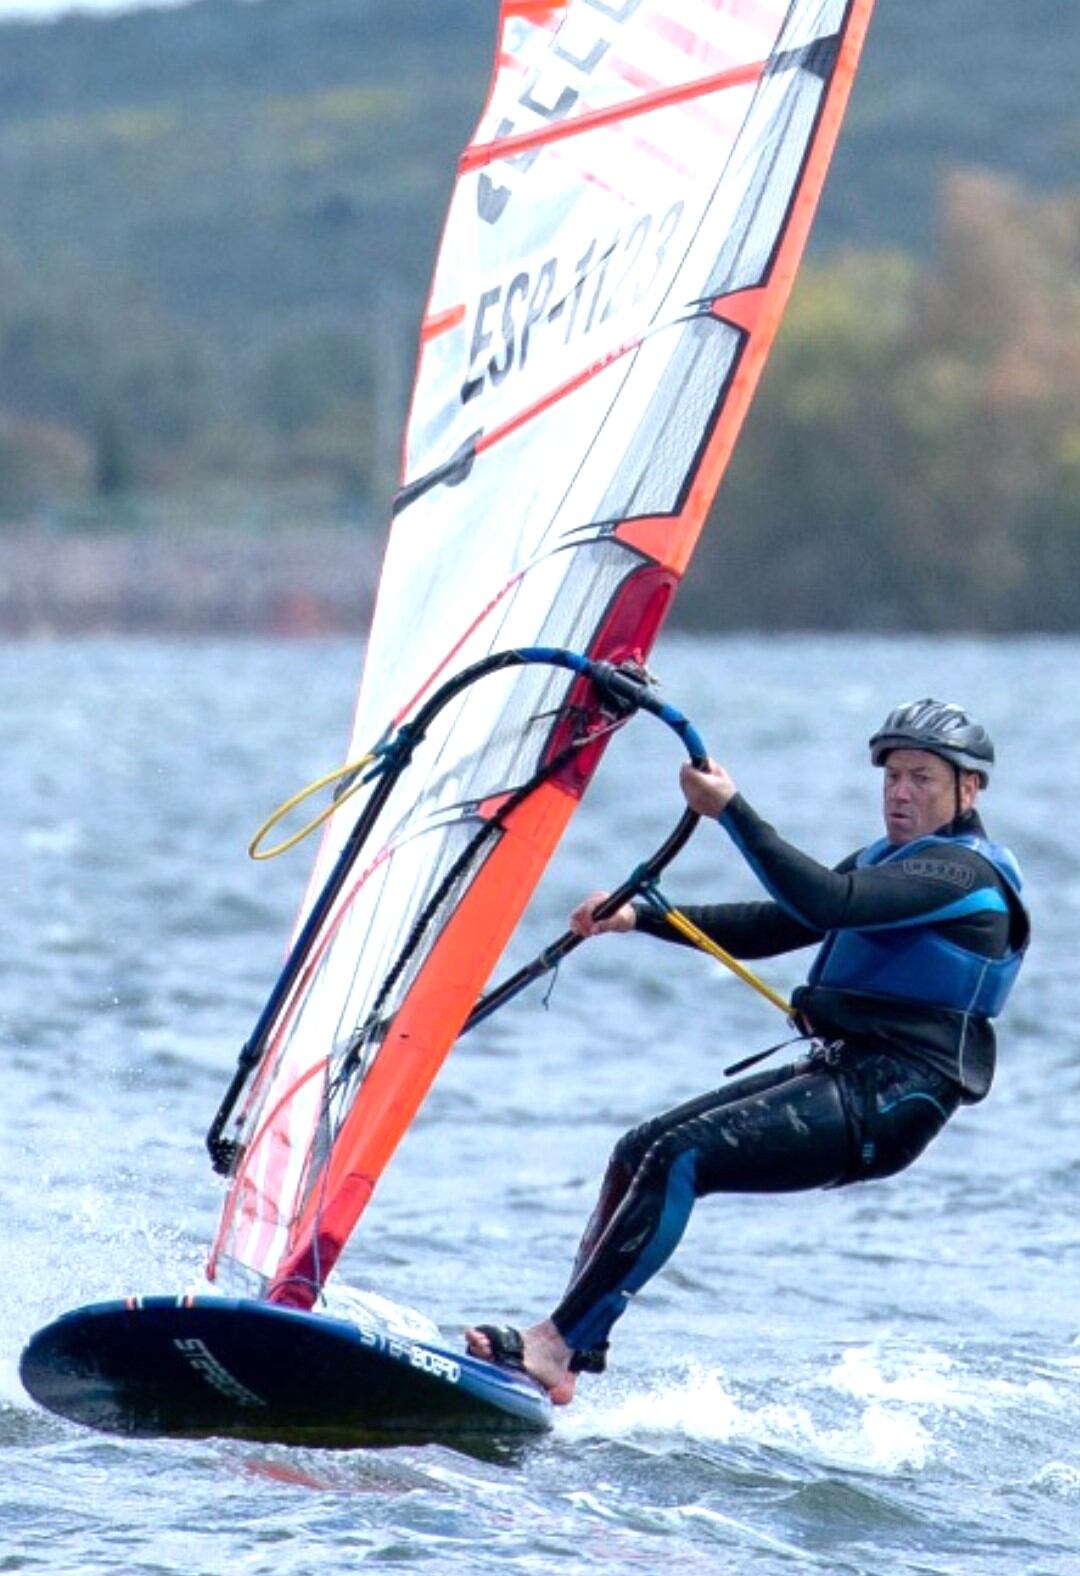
(920, 794)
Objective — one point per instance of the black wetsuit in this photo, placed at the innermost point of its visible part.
(884, 1073)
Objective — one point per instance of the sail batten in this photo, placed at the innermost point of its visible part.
(626, 225)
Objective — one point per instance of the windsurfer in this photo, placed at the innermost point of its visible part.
(920, 936)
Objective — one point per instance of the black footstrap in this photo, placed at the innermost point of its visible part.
(507, 1345)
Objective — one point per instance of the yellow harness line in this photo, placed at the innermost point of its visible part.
(256, 852)
(687, 928)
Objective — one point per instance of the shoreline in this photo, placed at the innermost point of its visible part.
(277, 581)
(319, 580)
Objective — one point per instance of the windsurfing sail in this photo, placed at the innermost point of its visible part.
(624, 232)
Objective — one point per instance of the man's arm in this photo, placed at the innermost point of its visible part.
(847, 898)
(746, 930)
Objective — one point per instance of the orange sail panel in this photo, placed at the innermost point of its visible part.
(625, 229)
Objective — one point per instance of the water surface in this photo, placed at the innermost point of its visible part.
(883, 1379)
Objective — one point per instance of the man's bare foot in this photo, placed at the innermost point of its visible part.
(547, 1359)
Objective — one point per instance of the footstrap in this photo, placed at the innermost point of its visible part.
(507, 1344)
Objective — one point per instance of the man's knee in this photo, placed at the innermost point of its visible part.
(649, 1151)
(633, 1146)
(654, 1172)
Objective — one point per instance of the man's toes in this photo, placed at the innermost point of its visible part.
(478, 1344)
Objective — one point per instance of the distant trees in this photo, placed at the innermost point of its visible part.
(913, 457)
(101, 403)
(128, 389)
(217, 223)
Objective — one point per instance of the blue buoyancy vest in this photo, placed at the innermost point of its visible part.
(911, 959)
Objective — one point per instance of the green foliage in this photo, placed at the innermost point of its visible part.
(135, 393)
(217, 224)
(303, 382)
(912, 457)
(39, 460)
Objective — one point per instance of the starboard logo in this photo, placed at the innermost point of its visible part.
(428, 1362)
(207, 1366)
(406, 1351)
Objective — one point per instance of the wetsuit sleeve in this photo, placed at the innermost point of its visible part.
(900, 892)
(746, 930)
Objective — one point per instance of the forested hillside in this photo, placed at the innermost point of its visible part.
(217, 223)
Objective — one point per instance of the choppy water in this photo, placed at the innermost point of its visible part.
(881, 1381)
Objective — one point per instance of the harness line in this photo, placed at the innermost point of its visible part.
(686, 928)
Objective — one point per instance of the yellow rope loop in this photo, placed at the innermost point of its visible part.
(687, 928)
(256, 852)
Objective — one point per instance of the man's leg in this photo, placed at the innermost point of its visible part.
(777, 1133)
(774, 1132)
(632, 1148)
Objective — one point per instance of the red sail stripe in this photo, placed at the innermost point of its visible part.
(483, 153)
(441, 322)
(465, 636)
(488, 440)
(541, 13)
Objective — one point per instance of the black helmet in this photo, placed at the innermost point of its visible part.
(942, 729)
